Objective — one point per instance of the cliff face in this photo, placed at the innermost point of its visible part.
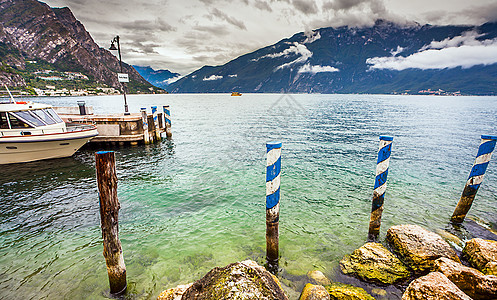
(54, 35)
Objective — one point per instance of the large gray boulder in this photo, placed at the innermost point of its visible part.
(418, 247)
(481, 254)
(373, 262)
(434, 286)
(240, 280)
(471, 281)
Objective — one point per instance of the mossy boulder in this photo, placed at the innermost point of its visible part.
(419, 248)
(314, 292)
(373, 262)
(434, 286)
(317, 277)
(490, 268)
(240, 280)
(471, 281)
(480, 253)
(340, 291)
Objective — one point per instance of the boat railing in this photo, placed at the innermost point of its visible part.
(70, 127)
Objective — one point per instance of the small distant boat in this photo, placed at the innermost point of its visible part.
(236, 94)
(33, 131)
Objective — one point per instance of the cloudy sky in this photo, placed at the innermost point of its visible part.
(184, 35)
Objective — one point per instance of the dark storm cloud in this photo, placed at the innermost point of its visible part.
(305, 6)
(223, 16)
(218, 30)
(341, 4)
(147, 25)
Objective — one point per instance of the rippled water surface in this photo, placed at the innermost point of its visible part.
(198, 201)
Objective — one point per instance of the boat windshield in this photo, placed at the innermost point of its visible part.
(4, 124)
(44, 116)
(53, 114)
(28, 117)
(17, 123)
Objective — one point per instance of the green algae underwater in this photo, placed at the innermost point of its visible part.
(198, 201)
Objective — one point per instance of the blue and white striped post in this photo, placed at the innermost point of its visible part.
(156, 123)
(146, 135)
(273, 169)
(167, 120)
(380, 186)
(475, 178)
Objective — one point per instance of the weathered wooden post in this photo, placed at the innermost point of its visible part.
(146, 135)
(380, 186)
(475, 178)
(109, 214)
(273, 169)
(167, 121)
(156, 123)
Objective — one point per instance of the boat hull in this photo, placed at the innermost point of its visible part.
(38, 147)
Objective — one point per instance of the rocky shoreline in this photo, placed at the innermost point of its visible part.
(412, 255)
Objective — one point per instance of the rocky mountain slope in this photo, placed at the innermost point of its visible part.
(384, 58)
(159, 78)
(52, 37)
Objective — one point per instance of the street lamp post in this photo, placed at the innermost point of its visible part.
(113, 47)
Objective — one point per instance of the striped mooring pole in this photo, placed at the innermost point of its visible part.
(156, 123)
(380, 186)
(146, 135)
(273, 169)
(475, 178)
(167, 120)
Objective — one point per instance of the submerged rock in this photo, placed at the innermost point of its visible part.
(314, 292)
(240, 280)
(434, 286)
(480, 252)
(373, 262)
(340, 291)
(175, 293)
(418, 247)
(471, 281)
(451, 239)
(317, 277)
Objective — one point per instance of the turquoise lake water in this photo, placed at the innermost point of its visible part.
(198, 201)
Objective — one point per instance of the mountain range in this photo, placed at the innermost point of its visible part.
(37, 38)
(159, 78)
(384, 58)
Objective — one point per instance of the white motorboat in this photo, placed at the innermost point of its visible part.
(33, 131)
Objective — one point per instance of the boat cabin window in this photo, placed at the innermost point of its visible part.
(4, 124)
(17, 123)
(44, 116)
(52, 114)
(29, 117)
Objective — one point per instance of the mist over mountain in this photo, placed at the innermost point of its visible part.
(385, 58)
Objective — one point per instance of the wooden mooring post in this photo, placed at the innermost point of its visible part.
(109, 215)
(156, 124)
(146, 135)
(273, 170)
(475, 178)
(380, 186)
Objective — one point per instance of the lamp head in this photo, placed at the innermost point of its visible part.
(112, 45)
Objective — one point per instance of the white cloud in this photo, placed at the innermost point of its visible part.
(212, 77)
(172, 79)
(233, 75)
(462, 51)
(397, 51)
(311, 38)
(307, 68)
(297, 49)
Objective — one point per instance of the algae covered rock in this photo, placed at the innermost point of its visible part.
(240, 280)
(471, 281)
(175, 293)
(317, 277)
(314, 292)
(373, 262)
(434, 286)
(480, 252)
(340, 291)
(418, 247)
(490, 268)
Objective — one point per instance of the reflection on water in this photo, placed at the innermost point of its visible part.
(197, 201)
